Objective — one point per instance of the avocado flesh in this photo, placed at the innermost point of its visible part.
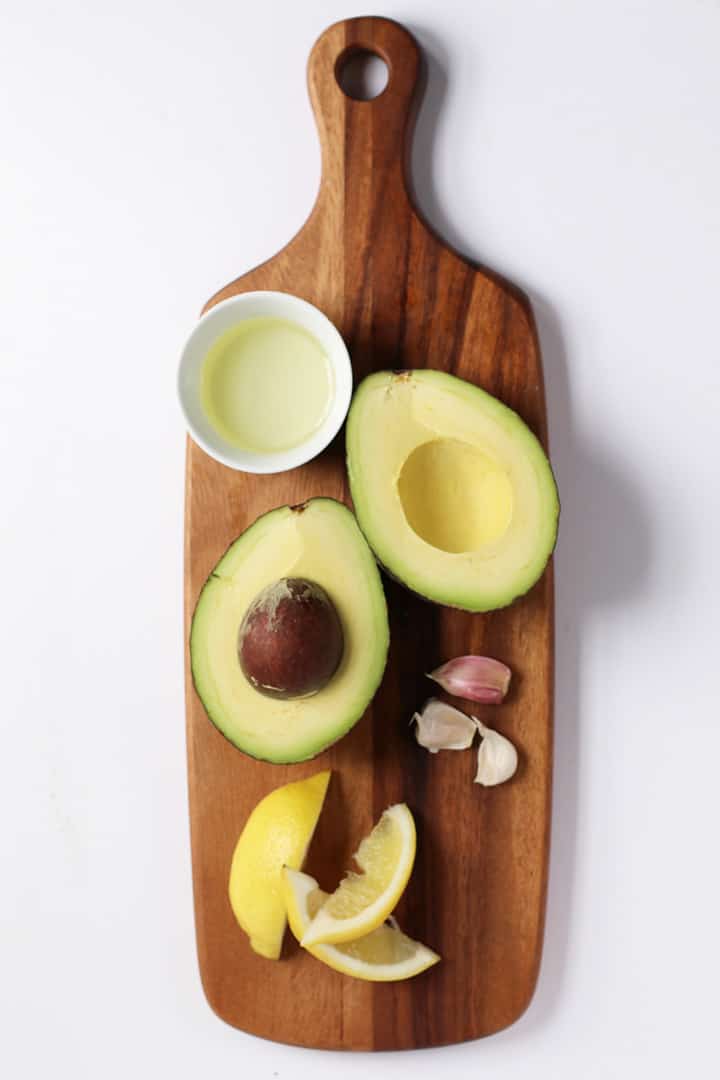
(321, 542)
(452, 489)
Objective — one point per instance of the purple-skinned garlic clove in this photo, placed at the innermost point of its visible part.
(476, 678)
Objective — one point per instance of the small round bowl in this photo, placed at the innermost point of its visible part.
(224, 316)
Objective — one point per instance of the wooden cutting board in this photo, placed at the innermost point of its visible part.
(401, 298)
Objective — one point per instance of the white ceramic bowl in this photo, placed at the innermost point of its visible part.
(223, 317)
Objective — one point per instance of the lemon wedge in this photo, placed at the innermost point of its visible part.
(277, 833)
(363, 901)
(383, 955)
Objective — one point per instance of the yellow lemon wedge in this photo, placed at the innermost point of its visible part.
(363, 901)
(277, 833)
(383, 955)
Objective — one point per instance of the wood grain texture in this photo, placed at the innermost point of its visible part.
(401, 298)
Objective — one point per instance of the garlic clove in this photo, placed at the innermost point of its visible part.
(476, 678)
(497, 757)
(443, 727)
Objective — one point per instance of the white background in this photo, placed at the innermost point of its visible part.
(152, 150)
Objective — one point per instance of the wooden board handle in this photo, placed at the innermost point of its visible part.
(363, 207)
(364, 139)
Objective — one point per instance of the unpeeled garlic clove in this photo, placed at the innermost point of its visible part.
(497, 757)
(442, 727)
(476, 678)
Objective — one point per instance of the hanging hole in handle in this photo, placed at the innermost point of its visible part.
(362, 74)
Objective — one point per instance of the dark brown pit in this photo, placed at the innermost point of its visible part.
(290, 642)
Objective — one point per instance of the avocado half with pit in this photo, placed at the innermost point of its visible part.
(452, 489)
(317, 542)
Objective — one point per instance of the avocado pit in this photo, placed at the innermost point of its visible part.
(290, 641)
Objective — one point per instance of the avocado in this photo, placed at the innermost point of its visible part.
(451, 488)
(319, 542)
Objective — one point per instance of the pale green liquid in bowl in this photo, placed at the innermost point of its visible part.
(266, 385)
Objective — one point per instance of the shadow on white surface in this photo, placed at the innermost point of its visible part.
(604, 557)
(604, 554)
(432, 91)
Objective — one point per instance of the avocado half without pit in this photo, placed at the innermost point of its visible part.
(451, 488)
(289, 638)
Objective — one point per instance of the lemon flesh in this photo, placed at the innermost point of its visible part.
(363, 901)
(277, 833)
(383, 955)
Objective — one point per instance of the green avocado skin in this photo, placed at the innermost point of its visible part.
(244, 728)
